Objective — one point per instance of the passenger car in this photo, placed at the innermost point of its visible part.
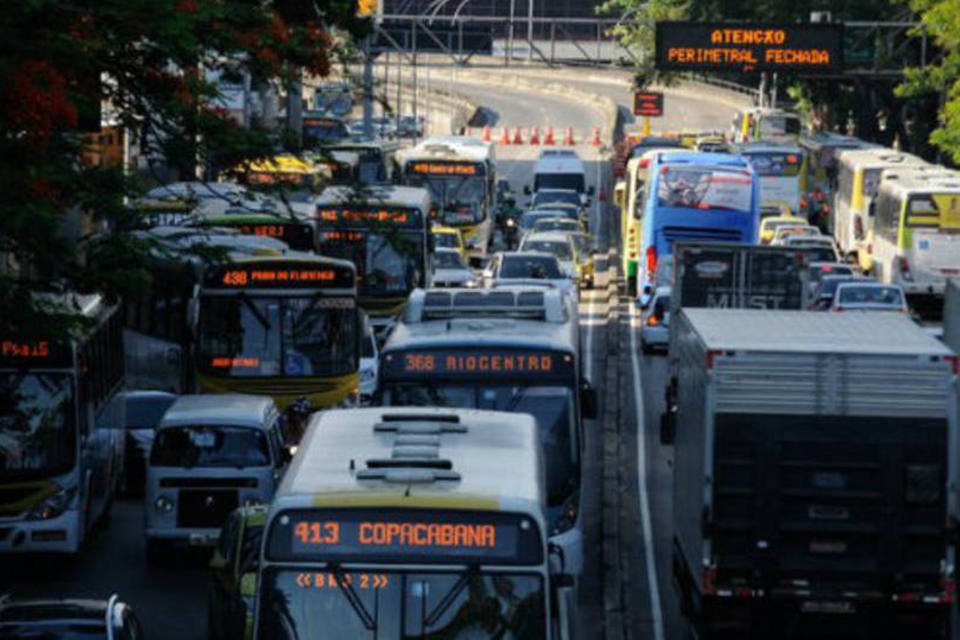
(212, 453)
(448, 238)
(556, 224)
(68, 619)
(817, 248)
(530, 218)
(822, 297)
(233, 575)
(521, 267)
(769, 226)
(559, 244)
(784, 232)
(655, 330)
(818, 270)
(144, 410)
(449, 270)
(869, 296)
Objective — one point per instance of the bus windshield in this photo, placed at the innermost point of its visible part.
(388, 263)
(247, 335)
(461, 197)
(784, 124)
(552, 406)
(574, 181)
(389, 604)
(37, 431)
(705, 188)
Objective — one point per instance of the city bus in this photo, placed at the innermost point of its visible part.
(158, 329)
(61, 430)
(707, 197)
(295, 231)
(765, 123)
(514, 348)
(858, 177)
(916, 240)
(412, 523)
(782, 182)
(384, 231)
(461, 175)
(820, 154)
(374, 157)
(295, 180)
(283, 326)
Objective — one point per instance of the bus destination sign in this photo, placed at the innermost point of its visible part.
(369, 215)
(483, 362)
(287, 275)
(403, 534)
(722, 46)
(35, 352)
(448, 168)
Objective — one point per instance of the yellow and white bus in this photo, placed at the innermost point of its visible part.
(916, 240)
(412, 523)
(765, 123)
(858, 177)
(283, 326)
(460, 173)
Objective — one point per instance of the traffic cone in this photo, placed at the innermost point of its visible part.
(568, 137)
(505, 136)
(534, 135)
(595, 140)
(517, 135)
(485, 134)
(548, 138)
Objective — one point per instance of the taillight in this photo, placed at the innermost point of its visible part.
(651, 259)
(644, 163)
(904, 268)
(652, 320)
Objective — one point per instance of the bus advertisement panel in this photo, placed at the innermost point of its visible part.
(284, 327)
(780, 176)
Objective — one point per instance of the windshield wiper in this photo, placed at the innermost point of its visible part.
(262, 319)
(462, 582)
(350, 594)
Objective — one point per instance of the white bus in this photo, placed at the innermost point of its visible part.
(460, 173)
(412, 523)
(916, 240)
(858, 177)
(61, 432)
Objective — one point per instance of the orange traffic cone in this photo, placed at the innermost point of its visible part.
(505, 136)
(568, 137)
(534, 135)
(548, 137)
(517, 135)
(485, 134)
(595, 140)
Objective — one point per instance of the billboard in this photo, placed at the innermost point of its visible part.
(724, 46)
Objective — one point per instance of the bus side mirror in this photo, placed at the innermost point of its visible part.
(588, 401)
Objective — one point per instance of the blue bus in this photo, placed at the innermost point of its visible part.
(704, 197)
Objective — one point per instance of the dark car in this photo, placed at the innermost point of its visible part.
(68, 619)
(144, 409)
(233, 574)
(822, 297)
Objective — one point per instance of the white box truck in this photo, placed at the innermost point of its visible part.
(815, 472)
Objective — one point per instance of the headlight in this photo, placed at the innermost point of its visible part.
(568, 514)
(367, 375)
(470, 284)
(511, 222)
(53, 505)
(163, 504)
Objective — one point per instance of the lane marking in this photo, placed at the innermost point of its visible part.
(652, 582)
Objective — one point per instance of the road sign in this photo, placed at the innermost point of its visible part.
(647, 103)
(724, 46)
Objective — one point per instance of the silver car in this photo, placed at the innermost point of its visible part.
(449, 270)
(655, 331)
(211, 454)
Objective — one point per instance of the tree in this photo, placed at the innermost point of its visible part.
(941, 20)
(146, 62)
(637, 29)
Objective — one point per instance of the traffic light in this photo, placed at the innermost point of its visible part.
(367, 8)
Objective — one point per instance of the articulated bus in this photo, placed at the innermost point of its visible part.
(857, 180)
(506, 349)
(412, 523)
(384, 231)
(460, 173)
(782, 183)
(61, 431)
(284, 326)
(916, 240)
(707, 197)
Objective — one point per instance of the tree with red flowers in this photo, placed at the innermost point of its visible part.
(146, 63)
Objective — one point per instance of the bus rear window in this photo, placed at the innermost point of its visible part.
(705, 188)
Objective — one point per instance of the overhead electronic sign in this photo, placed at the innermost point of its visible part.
(405, 536)
(648, 103)
(723, 46)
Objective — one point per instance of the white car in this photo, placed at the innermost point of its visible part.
(369, 362)
(869, 296)
(449, 270)
(559, 244)
(515, 267)
(655, 331)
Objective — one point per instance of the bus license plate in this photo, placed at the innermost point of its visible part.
(828, 607)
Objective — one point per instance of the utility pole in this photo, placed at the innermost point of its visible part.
(295, 108)
(509, 51)
(367, 89)
(529, 29)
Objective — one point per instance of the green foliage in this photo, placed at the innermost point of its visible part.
(941, 20)
(146, 62)
(636, 32)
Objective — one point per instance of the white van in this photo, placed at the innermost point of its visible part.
(211, 454)
(560, 169)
